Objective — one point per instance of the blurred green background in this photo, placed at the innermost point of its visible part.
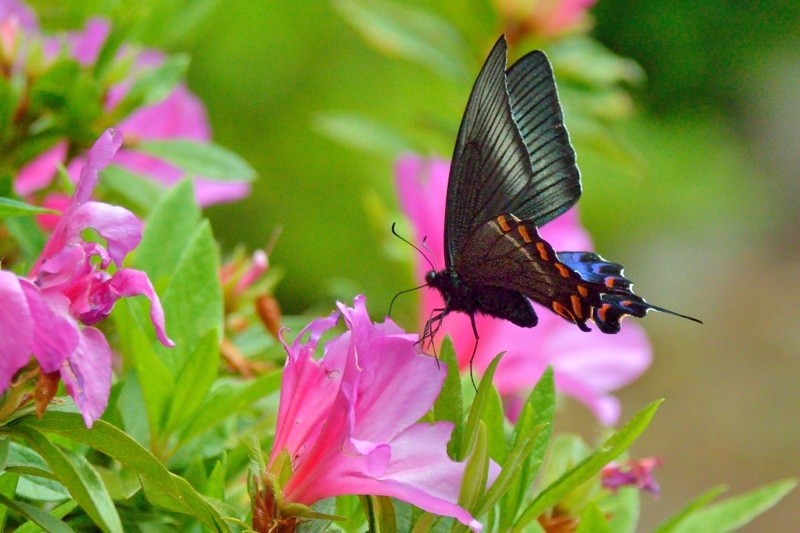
(702, 206)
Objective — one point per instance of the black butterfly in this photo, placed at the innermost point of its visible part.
(514, 170)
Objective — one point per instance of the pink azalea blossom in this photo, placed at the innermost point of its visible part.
(635, 473)
(181, 115)
(587, 366)
(49, 312)
(348, 420)
(545, 18)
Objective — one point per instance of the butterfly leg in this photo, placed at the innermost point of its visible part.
(437, 316)
(474, 349)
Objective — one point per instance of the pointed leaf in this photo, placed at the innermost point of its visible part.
(37, 516)
(192, 300)
(228, 398)
(589, 467)
(57, 513)
(737, 511)
(693, 506)
(8, 487)
(476, 473)
(78, 476)
(116, 444)
(412, 33)
(479, 406)
(449, 405)
(194, 381)
(517, 458)
(208, 160)
(592, 520)
(14, 208)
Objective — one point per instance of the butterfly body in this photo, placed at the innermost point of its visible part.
(513, 170)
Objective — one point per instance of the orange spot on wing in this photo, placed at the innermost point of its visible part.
(524, 232)
(602, 312)
(583, 290)
(610, 282)
(563, 270)
(542, 251)
(576, 306)
(503, 224)
(625, 303)
(563, 311)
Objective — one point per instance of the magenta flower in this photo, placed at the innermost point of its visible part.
(635, 473)
(49, 312)
(587, 366)
(181, 115)
(348, 421)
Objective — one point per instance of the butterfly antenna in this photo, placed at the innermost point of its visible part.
(394, 232)
(425, 245)
(402, 292)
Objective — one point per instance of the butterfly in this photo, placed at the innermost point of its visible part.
(513, 170)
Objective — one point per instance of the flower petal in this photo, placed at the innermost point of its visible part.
(16, 328)
(39, 173)
(87, 374)
(55, 335)
(118, 226)
(130, 282)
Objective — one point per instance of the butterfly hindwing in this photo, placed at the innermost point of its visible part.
(509, 253)
(512, 153)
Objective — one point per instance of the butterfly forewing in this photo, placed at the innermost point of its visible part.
(512, 153)
(555, 184)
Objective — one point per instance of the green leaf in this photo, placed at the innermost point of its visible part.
(479, 406)
(51, 88)
(476, 473)
(141, 192)
(449, 405)
(228, 398)
(194, 381)
(78, 476)
(115, 443)
(14, 208)
(28, 235)
(192, 300)
(380, 513)
(623, 509)
(58, 512)
(8, 488)
(693, 506)
(37, 516)
(589, 467)
(152, 87)
(735, 512)
(362, 133)
(543, 402)
(511, 470)
(494, 418)
(592, 520)
(409, 32)
(208, 160)
(170, 227)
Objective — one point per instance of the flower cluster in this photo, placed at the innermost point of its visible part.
(348, 421)
(49, 313)
(30, 55)
(587, 366)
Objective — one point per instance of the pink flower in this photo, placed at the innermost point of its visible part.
(47, 313)
(635, 473)
(544, 18)
(348, 421)
(181, 115)
(587, 366)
